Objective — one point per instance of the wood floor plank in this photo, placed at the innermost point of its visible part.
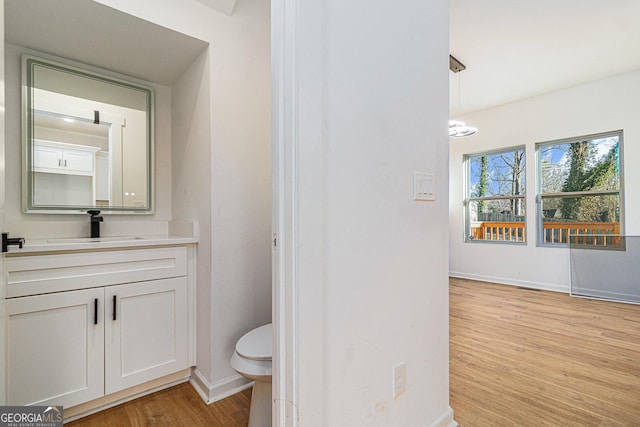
(178, 406)
(535, 358)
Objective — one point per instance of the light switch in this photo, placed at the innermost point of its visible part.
(424, 186)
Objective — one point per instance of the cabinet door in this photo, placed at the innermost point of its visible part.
(146, 337)
(78, 161)
(45, 158)
(55, 348)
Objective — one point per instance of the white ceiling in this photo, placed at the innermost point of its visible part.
(516, 49)
(91, 33)
(513, 49)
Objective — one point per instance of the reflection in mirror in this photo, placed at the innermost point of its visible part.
(88, 141)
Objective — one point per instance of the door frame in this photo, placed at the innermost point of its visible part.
(299, 232)
(3, 282)
(283, 59)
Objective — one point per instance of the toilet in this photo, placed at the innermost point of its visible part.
(252, 359)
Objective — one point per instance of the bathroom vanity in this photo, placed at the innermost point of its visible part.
(91, 322)
(95, 321)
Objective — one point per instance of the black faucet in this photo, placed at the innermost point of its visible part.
(96, 219)
(6, 241)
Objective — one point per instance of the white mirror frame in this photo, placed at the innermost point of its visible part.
(28, 138)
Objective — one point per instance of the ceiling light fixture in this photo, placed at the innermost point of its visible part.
(458, 129)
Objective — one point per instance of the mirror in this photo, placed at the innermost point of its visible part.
(87, 141)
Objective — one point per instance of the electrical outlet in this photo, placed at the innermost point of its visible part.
(399, 379)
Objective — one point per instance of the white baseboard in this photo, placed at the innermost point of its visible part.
(508, 281)
(445, 420)
(212, 392)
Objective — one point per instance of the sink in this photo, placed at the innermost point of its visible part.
(96, 239)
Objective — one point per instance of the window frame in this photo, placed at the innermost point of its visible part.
(468, 199)
(576, 194)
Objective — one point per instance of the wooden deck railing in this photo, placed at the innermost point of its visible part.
(500, 231)
(584, 233)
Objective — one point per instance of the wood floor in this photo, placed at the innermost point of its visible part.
(518, 358)
(179, 406)
(536, 358)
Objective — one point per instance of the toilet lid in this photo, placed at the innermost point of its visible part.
(257, 344)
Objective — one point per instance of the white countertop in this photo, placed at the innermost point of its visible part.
(107, 242)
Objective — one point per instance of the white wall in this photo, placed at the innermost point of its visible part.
(369, 264)
(600, 106)
(191, 185)
(222, 170)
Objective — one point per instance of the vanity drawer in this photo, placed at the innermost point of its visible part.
(41, 274)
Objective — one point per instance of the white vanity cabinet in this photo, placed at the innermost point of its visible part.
(58, 157)
(145, 332)
(131, 325)
(55, 350)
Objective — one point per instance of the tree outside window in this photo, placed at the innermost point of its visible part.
(580, 190)
(495, 202)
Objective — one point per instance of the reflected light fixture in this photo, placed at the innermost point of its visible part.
(458, 129)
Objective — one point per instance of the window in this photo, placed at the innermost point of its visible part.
(495, 202)
(579, 185)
